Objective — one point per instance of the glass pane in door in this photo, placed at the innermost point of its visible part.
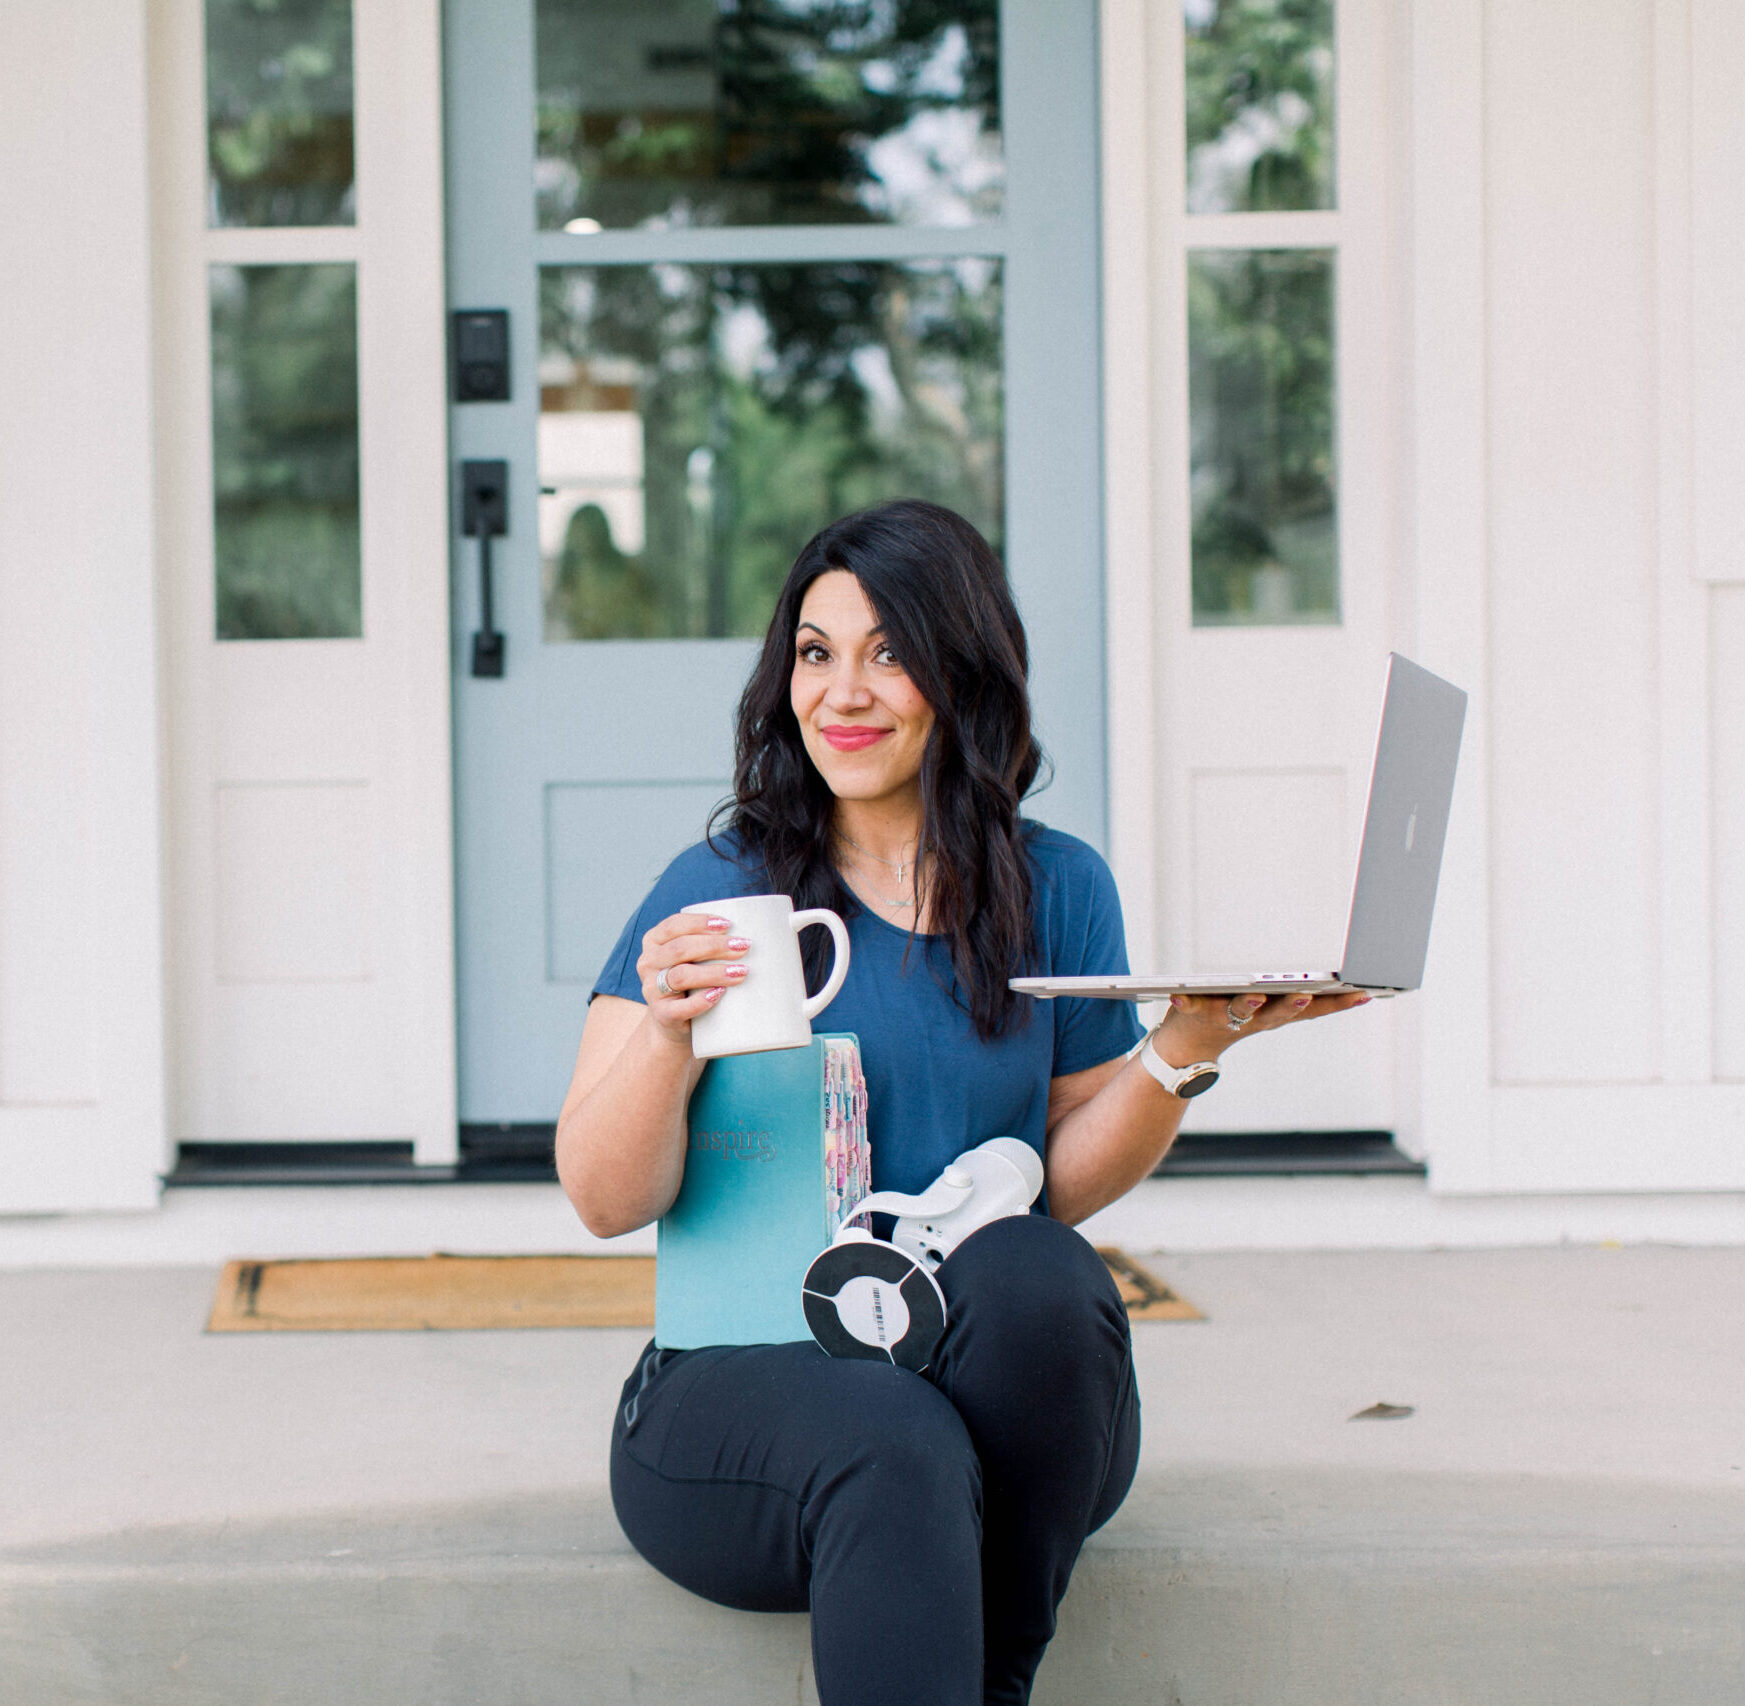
(767, 112)
(1259, 105)
(285, 452)
(699, 423)
(1261, 427)
(279, 112)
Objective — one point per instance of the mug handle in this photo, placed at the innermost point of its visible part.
(815, 1004)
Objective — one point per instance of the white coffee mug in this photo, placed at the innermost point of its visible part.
(771, 1009)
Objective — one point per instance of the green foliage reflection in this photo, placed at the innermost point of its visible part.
(771, 399)
(279, 112)
(768, 112)
(1259, 105)
(1260, 389)
(285, 452)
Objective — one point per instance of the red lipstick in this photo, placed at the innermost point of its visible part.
(847, 739)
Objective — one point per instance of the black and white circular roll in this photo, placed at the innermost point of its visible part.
(865, 1298)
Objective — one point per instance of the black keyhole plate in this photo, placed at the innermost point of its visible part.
(484, 499)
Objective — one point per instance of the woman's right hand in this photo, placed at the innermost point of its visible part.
(699, 962)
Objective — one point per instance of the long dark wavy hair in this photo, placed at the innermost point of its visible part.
(941, 595)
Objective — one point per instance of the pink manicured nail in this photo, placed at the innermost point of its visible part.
(735, 973)
(1300, 1003)
(715, 995)
(1178, 1002)
(738, 944)
(1363, 1001)
(720, 923)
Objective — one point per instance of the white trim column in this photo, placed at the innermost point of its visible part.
(1448, 554)
(81, 950)
(1126, 113)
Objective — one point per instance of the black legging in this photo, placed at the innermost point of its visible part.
(929, 1524)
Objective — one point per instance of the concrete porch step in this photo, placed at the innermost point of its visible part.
(421, 1518)
(1292, 1588)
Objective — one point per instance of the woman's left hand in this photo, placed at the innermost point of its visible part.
(1200, 1026)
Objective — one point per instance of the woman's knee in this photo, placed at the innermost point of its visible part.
(1039, 1362)
(1034, 1277)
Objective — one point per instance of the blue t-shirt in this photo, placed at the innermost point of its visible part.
(934, 1088)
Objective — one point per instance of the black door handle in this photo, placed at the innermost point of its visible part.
(484, 515)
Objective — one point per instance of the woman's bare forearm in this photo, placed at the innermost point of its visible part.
(1103, 1148)
(621, 1136)
(1104, 1144)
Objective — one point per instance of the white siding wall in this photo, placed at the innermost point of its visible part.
(1571, 448)
(1569, 299)
(81, 1008)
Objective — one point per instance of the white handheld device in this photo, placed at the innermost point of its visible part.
(864, 1297)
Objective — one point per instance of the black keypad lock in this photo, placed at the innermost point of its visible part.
(481, 355)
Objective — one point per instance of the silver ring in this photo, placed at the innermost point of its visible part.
(662, 985)
(1234, 1023)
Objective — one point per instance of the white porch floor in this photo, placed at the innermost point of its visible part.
(422, 1517)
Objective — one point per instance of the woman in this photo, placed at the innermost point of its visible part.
(930, 1524)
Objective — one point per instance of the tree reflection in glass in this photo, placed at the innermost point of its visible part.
(1259, 105)
(1261, 424)
(285, 452)
(279, 112)
(699, 424)
(767, 112)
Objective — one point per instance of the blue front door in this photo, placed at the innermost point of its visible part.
(763, 263)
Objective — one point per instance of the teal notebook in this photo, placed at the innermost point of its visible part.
(776, 1155)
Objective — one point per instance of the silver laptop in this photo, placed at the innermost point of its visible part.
(1397, 863)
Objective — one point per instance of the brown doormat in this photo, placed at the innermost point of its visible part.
(1146, 1296)
(387, 1294)
(398, 1294)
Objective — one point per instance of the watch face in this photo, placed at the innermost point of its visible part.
(1197, 1083)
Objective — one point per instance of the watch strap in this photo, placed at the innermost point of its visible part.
(1184, 1081)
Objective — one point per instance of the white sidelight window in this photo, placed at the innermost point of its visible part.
(1253, 501)
(304, 502)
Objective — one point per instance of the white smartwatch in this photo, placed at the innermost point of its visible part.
(1183, 1081)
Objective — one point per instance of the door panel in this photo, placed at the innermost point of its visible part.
(589, 883)
(703, 376)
